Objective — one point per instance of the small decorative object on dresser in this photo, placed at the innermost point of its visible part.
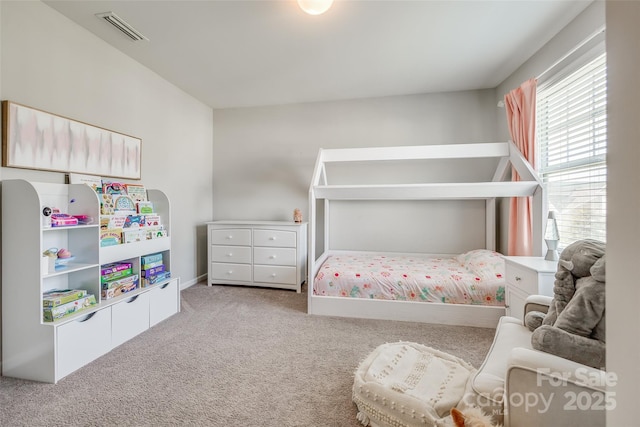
(527, 276)
(297, 216)
(258, 253)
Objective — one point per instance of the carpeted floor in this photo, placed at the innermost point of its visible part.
(234, 356)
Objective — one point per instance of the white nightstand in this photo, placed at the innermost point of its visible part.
(527, 276)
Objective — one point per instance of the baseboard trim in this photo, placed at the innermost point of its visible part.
(185, 285)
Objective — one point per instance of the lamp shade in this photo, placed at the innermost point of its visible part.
(315, 7)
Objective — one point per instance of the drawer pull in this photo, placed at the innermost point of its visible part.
(132, 299)
(273, 275)
(165, 285)
(272, 257)
(230, 254)
(229, 237)
(272, 238)
(230, 272)
(518, 278)
(88, 317)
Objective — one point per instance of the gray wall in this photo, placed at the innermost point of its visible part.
(263, 158)
(52, 64)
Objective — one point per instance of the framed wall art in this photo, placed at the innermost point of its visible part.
(35, 139)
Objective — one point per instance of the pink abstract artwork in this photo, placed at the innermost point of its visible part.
(35, 139)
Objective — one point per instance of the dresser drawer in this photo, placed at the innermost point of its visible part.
(231, 254)
(274, 238)
(231, 236)
(522, 278)
(274, 256)
(274, 274)
(236, 272)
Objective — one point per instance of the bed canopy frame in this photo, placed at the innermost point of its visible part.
(323, 192)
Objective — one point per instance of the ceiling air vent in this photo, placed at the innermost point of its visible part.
(117, 22)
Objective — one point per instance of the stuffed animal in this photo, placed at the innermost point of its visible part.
(472, 417)
(575, 262)
(575, 328)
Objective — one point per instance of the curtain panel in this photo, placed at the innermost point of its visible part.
(520, 105)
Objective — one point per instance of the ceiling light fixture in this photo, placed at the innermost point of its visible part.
(315, 7)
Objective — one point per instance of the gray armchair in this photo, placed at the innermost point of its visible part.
(524, 387)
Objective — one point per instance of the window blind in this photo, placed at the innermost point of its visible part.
(571, 132)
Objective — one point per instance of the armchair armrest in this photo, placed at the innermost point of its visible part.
(543, 389)
(549, 366)
(537, 303)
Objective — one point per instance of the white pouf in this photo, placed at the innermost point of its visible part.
(409, 384)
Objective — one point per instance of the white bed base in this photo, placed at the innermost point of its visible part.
(424, 312)
(453, 314)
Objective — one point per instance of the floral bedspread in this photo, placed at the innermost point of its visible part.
(475, 277)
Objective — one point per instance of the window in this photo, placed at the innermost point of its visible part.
(571, 132)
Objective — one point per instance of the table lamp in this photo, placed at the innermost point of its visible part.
(551, 237)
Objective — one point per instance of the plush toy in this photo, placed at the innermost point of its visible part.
(575, 262)
(472, 417)
(574, 327)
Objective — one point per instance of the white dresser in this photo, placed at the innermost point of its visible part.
(527, 276)
(258, 253)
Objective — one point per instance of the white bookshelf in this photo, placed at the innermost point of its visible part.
(47, 351)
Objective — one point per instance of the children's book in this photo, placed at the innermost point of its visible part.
(113, 187)
(137, 192)
(92, 181)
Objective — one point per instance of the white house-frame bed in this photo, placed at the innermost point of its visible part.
(322, 193)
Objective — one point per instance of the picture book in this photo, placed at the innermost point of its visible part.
(137, 192)
(92, 181)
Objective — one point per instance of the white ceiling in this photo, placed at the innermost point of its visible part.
(239, 53)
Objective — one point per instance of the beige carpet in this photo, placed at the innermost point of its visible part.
(234, 356)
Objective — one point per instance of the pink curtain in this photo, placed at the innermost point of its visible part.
(520, 104)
